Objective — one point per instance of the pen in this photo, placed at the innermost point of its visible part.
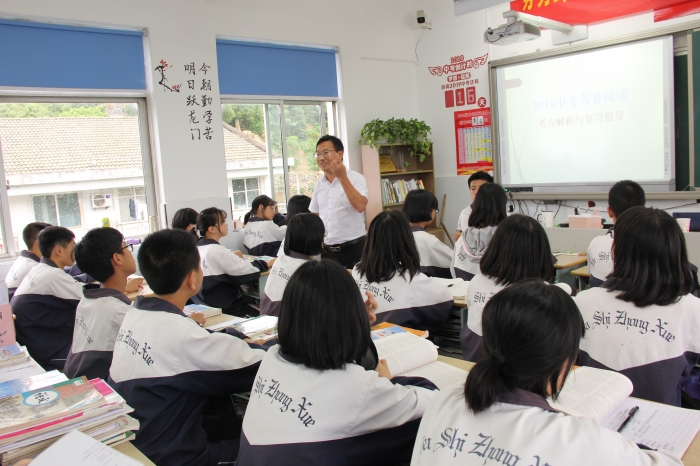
(629, 418)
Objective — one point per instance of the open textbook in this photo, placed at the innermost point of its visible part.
(412, 356)
(603, 395)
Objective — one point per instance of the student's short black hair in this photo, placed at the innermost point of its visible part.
(489, 206)
(419, 205)
(297, 204)
(531, 331)
(94, 252)
(50, 237)
(262, 200)
(210, 217)
(650, 259)
(390, 249)
(165, 259)
(304, 235)
(31, 232)
(480, 175)
(184, 218)
(624, 195)
(337, 143)
(323, 322)
(518, 250)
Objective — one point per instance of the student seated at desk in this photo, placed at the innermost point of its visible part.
(475, 181)
(27, 259)
(488, 212)
(642, 321)
(103, 254)
(186, 219)
(519, 251)
(531, 337)
(312, 403)
(166, 366)
(262, 234)
(224, 271)
(297, 204)
(303, 241)
(435, 256)
(390, 269)
(622, 196)
(45, 301)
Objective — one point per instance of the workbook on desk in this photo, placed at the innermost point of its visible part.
(458, 287)
(412, 356)
(207, 311)
(604, 395)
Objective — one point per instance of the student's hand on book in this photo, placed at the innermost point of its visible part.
(238, 253)
(383, 369)
(198, 317)
(371, 306)
(134, 284)
(270, 262)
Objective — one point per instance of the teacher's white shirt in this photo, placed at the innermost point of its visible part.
(343, 223)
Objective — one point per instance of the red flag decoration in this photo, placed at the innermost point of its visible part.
(593, 11)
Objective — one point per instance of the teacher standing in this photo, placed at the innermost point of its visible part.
(339, 198)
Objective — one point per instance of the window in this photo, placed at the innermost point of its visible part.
(244, 191)
(132, 204)
(57, 209)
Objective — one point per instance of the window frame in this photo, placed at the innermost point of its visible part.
(70, 97)
(57, 209)
(245, 190)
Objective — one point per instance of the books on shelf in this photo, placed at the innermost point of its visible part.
(603, 395)
(412, 356)
(206, 310)
(394, 192)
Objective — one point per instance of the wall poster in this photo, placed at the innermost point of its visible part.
(473, 141)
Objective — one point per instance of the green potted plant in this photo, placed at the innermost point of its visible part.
(411, 133)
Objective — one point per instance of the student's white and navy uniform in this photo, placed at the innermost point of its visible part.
(166, 366)
(520, 429)
(298, 416)
(281, 272)
(44, 304)
(435, 256)
(97, 320)
(21, 267)
(224, 273)
(653, 346)
(263, 237)
(417, 303)
(469, 249)
(600, 261)
(463, 220)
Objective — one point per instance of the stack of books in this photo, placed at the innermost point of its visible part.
(206, 310)
(33, 420)
(15, 363)
(395, 192)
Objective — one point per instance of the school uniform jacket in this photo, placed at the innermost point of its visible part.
(44, 304)
(224, 273)
(166, 366)
(420, 302)
(301, 417)
(97, 320)
(600, 261)
(521, 429)
(463, 220)
(435, 256)
(469, 249)
(21, 267)
(281, 272)
(654, 346)
(263, 237)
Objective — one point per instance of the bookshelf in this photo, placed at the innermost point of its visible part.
(414, 170)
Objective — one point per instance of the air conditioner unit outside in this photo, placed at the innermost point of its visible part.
(101, 201)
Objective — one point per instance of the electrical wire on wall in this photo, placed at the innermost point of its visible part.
(416, 48)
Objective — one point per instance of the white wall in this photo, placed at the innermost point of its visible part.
(181, 31)
(463, 35)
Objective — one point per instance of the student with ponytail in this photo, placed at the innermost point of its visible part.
(532, 332)
(263, 233)
(224, 271)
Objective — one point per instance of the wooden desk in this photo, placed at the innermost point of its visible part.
(145, 292)
(566, 263)
(132, 452)
(691, 457)
(582, 272)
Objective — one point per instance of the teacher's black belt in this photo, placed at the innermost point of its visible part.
(343, 246)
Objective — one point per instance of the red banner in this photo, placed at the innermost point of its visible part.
(593, 11)
(690, 7)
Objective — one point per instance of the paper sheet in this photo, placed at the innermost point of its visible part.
(458, 287)
(223, 325)
(77, 449)
(656, 425)
(441, 374)
(404, 352)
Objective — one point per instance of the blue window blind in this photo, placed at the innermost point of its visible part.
(47, 55)
(254, 68)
